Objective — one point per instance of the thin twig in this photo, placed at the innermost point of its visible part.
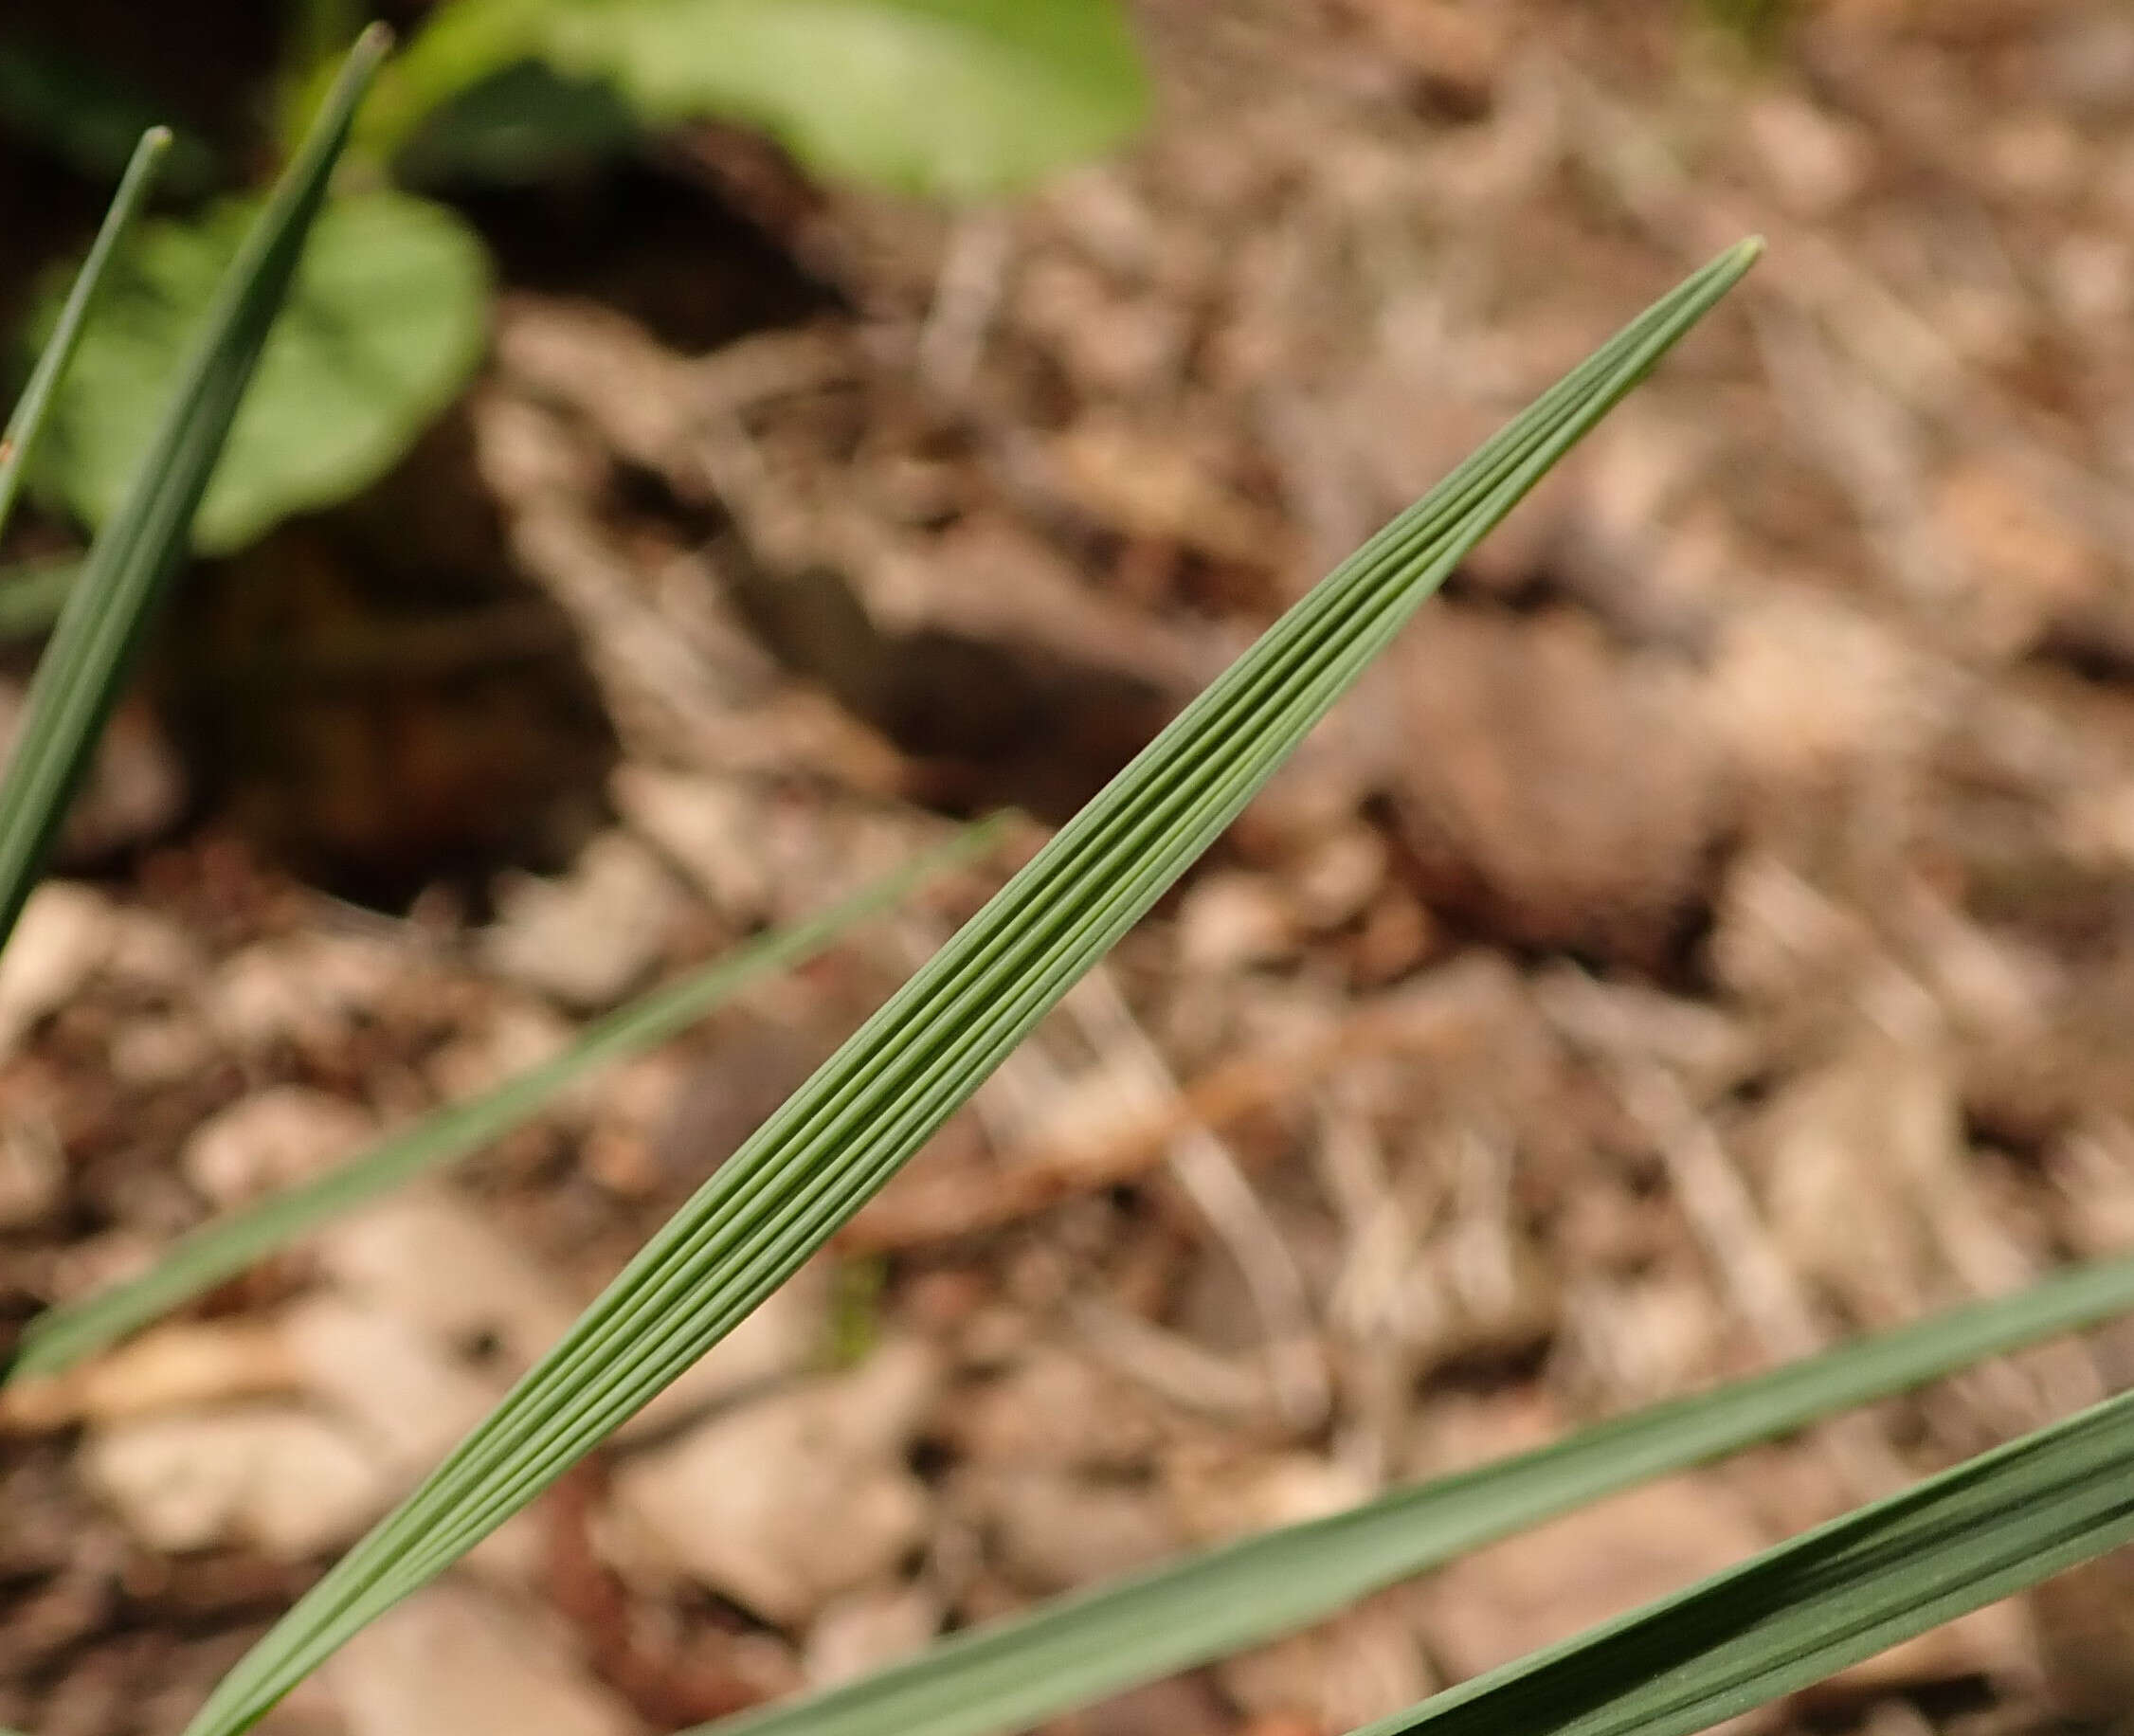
(1209, 1172)
(1884, 337)
(1443, 1016)
(1761, 1286)
(967, 299)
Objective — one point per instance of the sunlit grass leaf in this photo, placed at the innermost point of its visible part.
(1756, 26)
(144, 537)
(387, 320)
(886, 1091)
(1016, 1674)
(1798, 1612)
(962, 98)
(57, 354)
(220, 1250)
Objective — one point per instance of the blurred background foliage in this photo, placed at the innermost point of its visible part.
(942, 99)
(738, 467)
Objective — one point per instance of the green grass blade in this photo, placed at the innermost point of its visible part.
(37, 396)
(1798, 1612)
(1017, 1674)
(846, 1132)
(220, 1250)
(129, 567)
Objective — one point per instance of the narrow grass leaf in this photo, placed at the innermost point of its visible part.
(875, 1102)
(458, 47)
(386, 320)
(217, 1251)
(131, 561)
(36, 402)
(1799, 1612)
(1017, 1674)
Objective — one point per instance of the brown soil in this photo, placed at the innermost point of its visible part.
(1709, 934)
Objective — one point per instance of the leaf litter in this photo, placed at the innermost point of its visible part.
(1794, 921)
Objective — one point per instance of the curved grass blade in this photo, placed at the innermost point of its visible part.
(197, 1262)
(130, 565)
(1798, 1612)
(1017, 1674)
(852, 1125)
(36, 402)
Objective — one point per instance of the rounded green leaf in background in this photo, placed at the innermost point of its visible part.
(386, 322)
(962, 98)
(517, 127)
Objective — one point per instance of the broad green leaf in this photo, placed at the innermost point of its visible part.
(461, 45)
(957, 98)
(90, 118)
(1795, 1613)
(143, 540)
(220, 1250)
(385, 322)
(27, 421)
(522, 124)
(1017, 1674)
(886, 1091)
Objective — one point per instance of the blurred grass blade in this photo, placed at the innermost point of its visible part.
(876, 1101)
(1798, 1612)
(127, 569)
(1017, 1674)
(31, 596)
(36, 402)
(32, 593)
(457, 48)
(220, 1250)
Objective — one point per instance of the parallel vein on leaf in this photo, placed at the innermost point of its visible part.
(873, 1102)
